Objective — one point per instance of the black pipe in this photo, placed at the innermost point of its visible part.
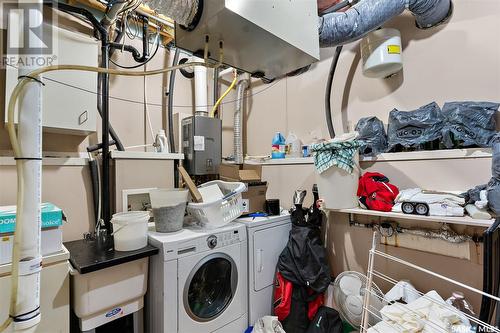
(170, 105)
(112, 132)
(328, 92)
(145, 40)
(104, 106)
(105, 188)
(81, 11)
(98, 146)
(94, 176)
(129, 48)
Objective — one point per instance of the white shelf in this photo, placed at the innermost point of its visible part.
(141, 155)
(281, 161)
(47, 260)
(444, 154)
(465, 220)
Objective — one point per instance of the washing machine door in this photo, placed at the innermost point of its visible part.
(211, 295)
(211, 287)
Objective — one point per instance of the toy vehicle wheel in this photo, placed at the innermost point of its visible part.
(407, 208)
(422, 209)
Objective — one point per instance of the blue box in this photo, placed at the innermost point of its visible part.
(52, 216)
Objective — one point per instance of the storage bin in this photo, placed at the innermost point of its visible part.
(338, 188)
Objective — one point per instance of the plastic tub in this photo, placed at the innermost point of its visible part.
(130, 230)
(338, 188)
(110, 293)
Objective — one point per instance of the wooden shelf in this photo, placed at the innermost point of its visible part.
(465, 220)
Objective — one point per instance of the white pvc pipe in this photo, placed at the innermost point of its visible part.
(200, 88)
(30, 138)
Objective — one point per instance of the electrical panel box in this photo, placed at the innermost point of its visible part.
(202, 145)
(69, 98)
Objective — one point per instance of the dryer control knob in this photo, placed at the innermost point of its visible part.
(212, 241)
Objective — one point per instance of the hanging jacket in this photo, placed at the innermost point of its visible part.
(376, 193)
(295, 306)
(303, 273)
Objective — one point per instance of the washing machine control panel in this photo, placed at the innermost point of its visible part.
(223, 239)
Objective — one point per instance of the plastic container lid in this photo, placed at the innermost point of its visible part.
(130, 217)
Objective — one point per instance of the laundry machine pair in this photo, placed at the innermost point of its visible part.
(214, 281)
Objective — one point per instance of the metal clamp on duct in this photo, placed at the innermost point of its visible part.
(343, 27)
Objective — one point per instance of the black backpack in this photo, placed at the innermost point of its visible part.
(327, 320)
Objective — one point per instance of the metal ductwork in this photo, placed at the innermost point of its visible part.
(343, 27)
(184, 12)
(238, 120)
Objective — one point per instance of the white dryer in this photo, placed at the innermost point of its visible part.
(267, 237)
(198, 281)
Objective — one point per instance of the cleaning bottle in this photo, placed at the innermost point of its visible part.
(293, 145)
(161, 143)
(278, 148)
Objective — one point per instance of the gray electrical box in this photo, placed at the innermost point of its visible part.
(202, 145)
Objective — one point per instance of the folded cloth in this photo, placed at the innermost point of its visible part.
(429, 313)
(440, 203)
(339, 152)
(268, 324)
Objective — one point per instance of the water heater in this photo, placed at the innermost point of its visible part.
(266, 38)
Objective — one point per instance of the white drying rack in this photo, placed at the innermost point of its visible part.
(370, 312)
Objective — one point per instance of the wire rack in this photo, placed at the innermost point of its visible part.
(371, 314)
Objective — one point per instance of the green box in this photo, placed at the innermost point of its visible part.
(52, 216)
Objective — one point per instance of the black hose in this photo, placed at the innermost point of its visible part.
(170, 105)
(216, 88)
(328, 92)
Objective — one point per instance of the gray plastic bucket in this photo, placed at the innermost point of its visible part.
(169, 219)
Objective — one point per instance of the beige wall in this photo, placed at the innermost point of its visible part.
(457, 61)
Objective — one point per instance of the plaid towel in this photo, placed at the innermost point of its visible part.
(340, 154)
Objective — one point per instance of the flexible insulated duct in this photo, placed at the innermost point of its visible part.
(343, 27)
(181, 11)
(238, 121)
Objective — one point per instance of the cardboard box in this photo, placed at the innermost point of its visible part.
(52, 216)
(51, 242)
(254, 197)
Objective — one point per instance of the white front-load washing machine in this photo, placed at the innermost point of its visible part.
(198, 281)
(267, 237)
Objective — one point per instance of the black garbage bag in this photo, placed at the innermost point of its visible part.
(417, 129)
(327, 320)
(372, 136)
(469, 124)
(494, 183)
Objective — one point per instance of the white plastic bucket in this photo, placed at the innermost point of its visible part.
(130, 230)
(338, 188)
